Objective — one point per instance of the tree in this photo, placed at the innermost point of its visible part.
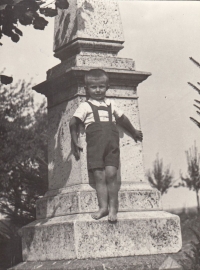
(24, 12)
(159, 177)
(23, 155)
(10, 245)
(192, 180)
(198, 90)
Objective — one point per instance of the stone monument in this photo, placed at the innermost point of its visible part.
(89, 35)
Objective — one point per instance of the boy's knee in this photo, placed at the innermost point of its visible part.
(99, 175)
(111, 174)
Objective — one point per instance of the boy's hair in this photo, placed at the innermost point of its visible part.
(96, 73)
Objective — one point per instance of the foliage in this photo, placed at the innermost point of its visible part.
(198, 90)
(10, 245)
(23, 156)
(25, 12)
(192, 260)
(160, 178)
(192, 180)
(5, 79)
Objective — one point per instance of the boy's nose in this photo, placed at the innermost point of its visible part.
(97, 89)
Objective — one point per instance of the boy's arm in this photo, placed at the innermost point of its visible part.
(73, 125)
(125, 123)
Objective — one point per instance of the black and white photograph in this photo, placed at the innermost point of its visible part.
(99, 135)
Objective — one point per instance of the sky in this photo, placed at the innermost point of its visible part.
(160, 37)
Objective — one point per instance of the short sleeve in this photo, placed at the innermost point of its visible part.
(116, 111)
(81, 111)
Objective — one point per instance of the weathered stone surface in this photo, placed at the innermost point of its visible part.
(86, 202)
(80, 236)
(92, 61)
(90, 20)
(150, 262)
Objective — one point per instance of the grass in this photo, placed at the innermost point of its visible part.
(189, 256)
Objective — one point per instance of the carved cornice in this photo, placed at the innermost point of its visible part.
(74, 77)
(88, 45)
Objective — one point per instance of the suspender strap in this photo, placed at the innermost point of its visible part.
(95, 110)
(110, 113)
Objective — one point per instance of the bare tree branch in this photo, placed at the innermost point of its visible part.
(195, 88)
(195, 121)
(195, 62)
(196, 106)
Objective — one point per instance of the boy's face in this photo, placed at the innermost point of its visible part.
(97, 87)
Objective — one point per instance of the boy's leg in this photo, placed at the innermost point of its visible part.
(111, 178)
(102, 193)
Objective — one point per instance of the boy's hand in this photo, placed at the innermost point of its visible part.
(77, 149)
(125, 123)
(73, 125)
(137, 135)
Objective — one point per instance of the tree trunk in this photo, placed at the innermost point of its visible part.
(198, 206)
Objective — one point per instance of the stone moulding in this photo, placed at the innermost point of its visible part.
(86, 202)
(79, 46)
(96, 61)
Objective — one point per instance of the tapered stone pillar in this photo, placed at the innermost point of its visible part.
(89, 35)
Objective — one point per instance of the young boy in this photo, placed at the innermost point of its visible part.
(102, 139)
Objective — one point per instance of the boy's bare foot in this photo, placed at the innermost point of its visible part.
(99, 214)
(112, 216)
(137, 136)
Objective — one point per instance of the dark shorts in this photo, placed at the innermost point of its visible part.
(102, 145)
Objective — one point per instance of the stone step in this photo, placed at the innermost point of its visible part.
(86, 202)
(81, 237)
(150, 262)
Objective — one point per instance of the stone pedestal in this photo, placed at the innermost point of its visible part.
(89, 35)
(80, 237)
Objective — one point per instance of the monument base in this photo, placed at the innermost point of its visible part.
(80, 237)
(150, 262)
(83, 199)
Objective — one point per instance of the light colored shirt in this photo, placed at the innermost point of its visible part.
(85, 114)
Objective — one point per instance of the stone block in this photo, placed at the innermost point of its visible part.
(86, 201)
(81, 237)
(88, 20)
